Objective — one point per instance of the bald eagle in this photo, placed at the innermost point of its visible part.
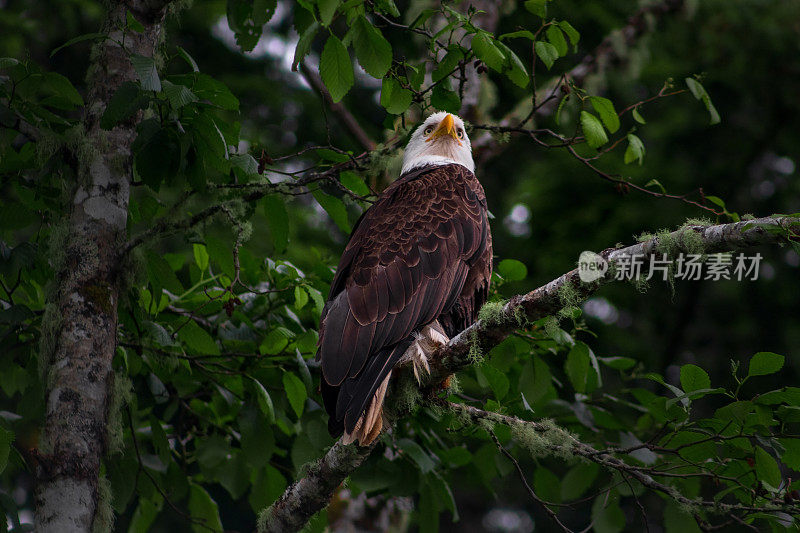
(415, 272)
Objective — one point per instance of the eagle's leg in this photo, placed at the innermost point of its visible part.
(426, 341)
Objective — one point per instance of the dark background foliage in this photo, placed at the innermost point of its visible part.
(548, 207)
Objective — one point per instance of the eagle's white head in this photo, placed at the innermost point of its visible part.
(440, 140)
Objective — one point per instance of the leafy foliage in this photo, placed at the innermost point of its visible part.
(218, 388)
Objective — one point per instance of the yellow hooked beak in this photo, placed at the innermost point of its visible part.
(446, 127)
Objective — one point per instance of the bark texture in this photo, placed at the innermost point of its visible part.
(313, 492)
(78, 366)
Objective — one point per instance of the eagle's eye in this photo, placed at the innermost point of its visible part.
(428, 130)
(460, 133)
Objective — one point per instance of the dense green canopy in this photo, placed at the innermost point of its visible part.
(247, 175)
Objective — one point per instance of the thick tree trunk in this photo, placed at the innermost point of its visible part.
(79, 375)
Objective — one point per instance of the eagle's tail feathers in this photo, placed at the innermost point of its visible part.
(370, 423)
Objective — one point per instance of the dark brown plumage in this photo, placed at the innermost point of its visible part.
(422, 252)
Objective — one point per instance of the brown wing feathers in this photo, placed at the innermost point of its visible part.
(406, 264)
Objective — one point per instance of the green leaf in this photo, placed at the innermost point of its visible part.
(521, 34)
(132, 23)
(512, 270)
(327, 9)
(246, 19)
(605, 108)
(677, 520)
(556, 38)
(123, 104)
(203, 507)
(571, 32)
(200, 256)
(655, 183)
(335, 208)
(546, 484)
(264, 400)
(764, 363)
(546, 52)
(578, 366)
(335, 68)
(484, 47)
(158, 158)
(275, 341)
(66, 94)
(694, 378)
(387, 7)
(278, 221)
(448, 63)
(145, 68)
(295, 391)
(304, 44)
(791, 455)
(578, 480)
(300, 297)
(607, 517)
(268, 485)
(197, 339)
(188, 58)
(537, 7)
(394, 98)
(262, 12)
(701, 94)
(767, 468)
(353, 181)
(78, 39)
(444, 99)
(178, 95)
(209, 89)
(145, 513)
(159, 271)
(6, 62)
(635, 149)
(417, 454)
(593, 130)
(618, 362)
(6, 438)
(515, 70)
(497, 381)
(637, 116)
(373, 51)
(319, 301)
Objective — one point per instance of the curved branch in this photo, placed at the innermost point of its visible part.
(313, 492)
(571, 446)
(548, 300)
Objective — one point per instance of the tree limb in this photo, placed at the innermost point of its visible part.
(345, 116)
(312, 492)
(548, 300)
(570, 446)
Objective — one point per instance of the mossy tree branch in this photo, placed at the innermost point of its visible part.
(543, 439)
(569, 290)
(312, 492)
